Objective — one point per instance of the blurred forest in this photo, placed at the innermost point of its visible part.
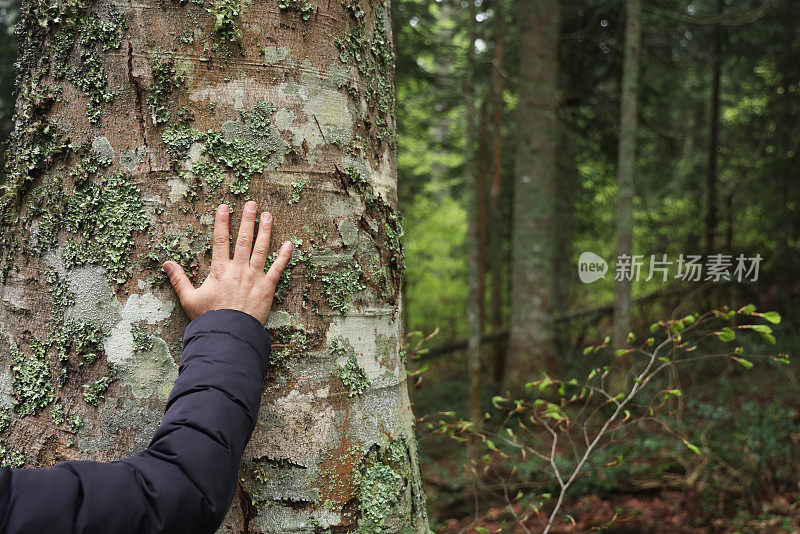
(532, 131)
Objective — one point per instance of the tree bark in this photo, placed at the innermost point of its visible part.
(626, 166)
(475, 296)
(530, 344)
(496, 253)
(713, 138)
(133, 122)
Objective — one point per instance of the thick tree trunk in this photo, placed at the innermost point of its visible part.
(626, 164)
(134, 120)
(530, 342)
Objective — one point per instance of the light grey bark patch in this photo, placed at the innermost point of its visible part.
(102, 149)
(118, 343)
(275, 54)
(279, 319)
(291, 483)
(152, 372)
(130, 158)
(101, 435)
(95, 299)
(348, 231)
(273, 517)
(271, 141)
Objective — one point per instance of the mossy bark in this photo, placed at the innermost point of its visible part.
(134, 120)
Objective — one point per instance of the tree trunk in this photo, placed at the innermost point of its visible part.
(713, 138)
(133, 122)
(496, 235)
(626, 163)
(530, 342)
(475, 297)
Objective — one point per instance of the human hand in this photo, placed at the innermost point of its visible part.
(240, 283)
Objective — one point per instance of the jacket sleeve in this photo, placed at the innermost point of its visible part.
(185, 480)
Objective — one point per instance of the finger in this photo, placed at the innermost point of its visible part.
(274, 273)
(177, 277)
(244, 241)
(259, 257)
(220, 249)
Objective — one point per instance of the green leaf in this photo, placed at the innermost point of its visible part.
(747, 364)
(765, 332)
(749, 309)
(726, 335)
(773, 317)
(694, 448)
(587, 350)
(631, 338)
(621, 352)
(675, 392)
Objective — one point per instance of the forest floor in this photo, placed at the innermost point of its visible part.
(667, 512)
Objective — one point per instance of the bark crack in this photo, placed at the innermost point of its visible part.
(137, 90)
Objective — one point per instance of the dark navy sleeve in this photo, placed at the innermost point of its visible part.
(185, 480)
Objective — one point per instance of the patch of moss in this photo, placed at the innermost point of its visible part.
(94, 392)
(31, 383)
(76, 422)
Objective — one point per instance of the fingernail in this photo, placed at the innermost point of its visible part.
(288, 245)
(267, 216)
(250, 207)
(168, 267)
(223, 208)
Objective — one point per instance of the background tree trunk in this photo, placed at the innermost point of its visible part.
(496, 233)
(530, 342)
(133, 122)
(626, 166)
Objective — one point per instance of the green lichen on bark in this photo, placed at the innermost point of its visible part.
(103, 217)
(297, 190)
(226, 19)
(303, 7)
(378, 493)
(340, 284)
(354, 377)
(141, 339)
(94, 392)
(371, 53)
(31, 383)
(165, 80)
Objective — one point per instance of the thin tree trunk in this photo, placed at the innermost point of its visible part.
(530, 343)
(713, 139)
(482, 170)
(626, 166)
(498, 265)
(475, 298)
(166, 110)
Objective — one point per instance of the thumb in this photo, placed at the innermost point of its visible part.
(177, 277)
